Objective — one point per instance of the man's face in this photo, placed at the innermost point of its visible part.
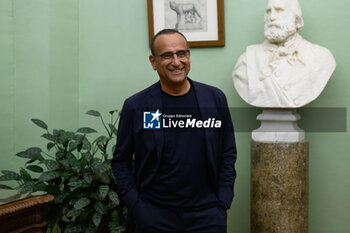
(280, 21)
(172, 70)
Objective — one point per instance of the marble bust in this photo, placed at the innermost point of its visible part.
(285, 71)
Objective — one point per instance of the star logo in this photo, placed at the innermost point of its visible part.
(156, 115)
(152, 119)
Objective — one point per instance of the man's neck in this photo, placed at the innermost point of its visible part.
(176, 90)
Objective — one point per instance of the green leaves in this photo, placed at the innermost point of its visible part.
(113, 197)
(113, 111)
(103, 191)
(50, 145)
(39, 187)
(73, 213)
(88, 176)
(86, 130)
(33, 153)
(86, 144)
(25, 175)
(91, 229)
(63, 137)
(96, 219)
(87, 156)
(100, 208)
(72, 160)
(74, 166)
(40, 123)
(50, 175)
(115, 228)
(9, 175)
(81, 203)
(28, 186)
(93, 113)
(102, 171)
(101, 139)
(76, 183)
(74, 228)
(60, 197)
(51, 164)
(113, 129)
(48, 136)
(2, 186)
(35, 168)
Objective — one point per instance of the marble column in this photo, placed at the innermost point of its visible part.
(279, 187)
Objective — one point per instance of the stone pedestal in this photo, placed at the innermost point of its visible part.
(279, 187)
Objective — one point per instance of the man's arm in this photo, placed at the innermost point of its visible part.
(122, 162)
(227, 172)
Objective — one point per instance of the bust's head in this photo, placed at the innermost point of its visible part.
(283, 18)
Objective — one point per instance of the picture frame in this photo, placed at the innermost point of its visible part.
(201, 21)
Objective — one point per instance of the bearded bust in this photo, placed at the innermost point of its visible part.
(285, 71)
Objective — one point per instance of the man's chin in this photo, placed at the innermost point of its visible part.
(178, 79)
(278, 35)
(275, 40)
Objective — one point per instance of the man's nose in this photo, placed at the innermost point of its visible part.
(176, 60)
(273, 15)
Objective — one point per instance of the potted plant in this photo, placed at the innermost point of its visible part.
(74, 168)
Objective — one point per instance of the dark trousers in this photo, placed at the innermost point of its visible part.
(152, 218)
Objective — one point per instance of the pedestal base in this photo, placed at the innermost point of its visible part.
(278, 125)
(279, 187)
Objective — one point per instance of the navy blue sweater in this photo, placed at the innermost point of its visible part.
(182, 179)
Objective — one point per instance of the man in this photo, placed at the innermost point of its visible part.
(175, 154)
(285, 71)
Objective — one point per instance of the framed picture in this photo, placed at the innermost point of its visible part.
(201, 21)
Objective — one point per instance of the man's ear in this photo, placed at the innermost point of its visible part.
(152, 59)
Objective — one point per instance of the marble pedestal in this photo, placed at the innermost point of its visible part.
(278, 125)
(279, 187)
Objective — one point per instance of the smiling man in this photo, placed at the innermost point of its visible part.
(177, 176)
(172, 70)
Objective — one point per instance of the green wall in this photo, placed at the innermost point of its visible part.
(61, 58)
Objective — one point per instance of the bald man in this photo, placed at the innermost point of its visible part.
(175, 154)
